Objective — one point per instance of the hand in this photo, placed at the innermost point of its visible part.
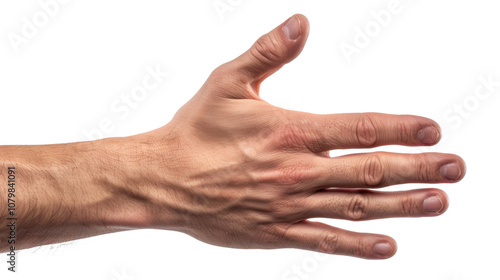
(232, 170)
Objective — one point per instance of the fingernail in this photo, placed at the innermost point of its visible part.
(433, 204)
(382, 248)
(451, 171)
(292, 28)
(428, 135)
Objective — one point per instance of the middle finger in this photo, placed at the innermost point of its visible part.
(379, 169)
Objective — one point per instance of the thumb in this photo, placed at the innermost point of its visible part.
(271, 51)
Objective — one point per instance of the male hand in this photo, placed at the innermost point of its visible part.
(232, 170)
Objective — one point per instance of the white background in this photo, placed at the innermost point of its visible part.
(428, 60)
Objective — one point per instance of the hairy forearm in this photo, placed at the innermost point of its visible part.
(71, 191)
(58, 193)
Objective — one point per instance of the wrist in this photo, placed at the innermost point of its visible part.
(138, 181)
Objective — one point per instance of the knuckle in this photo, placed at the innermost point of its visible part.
(290, 136)
(282, 210)
(373, 172)
(292, 175)
(219, 73)
(357, 209)
(268, 50)
(328, 243)
(222, 81)
(404, 132)
(273, 236)
(407, 206)
(423, 169)
(359, 248)
(365, 132)
(269, 236)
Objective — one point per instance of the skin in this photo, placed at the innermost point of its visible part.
(232, 170)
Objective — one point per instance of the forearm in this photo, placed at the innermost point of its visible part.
(70, 191)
